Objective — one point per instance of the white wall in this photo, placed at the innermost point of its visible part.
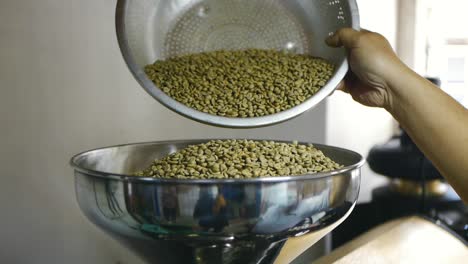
(351, 125)
(64, 89)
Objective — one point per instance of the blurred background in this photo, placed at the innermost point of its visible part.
(66, 89)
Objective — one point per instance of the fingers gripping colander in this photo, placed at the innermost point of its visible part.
(148, 30)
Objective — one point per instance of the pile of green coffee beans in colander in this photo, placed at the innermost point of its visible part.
(241, 83)
(237, 159)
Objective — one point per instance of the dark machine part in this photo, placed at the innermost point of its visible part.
(415, 187)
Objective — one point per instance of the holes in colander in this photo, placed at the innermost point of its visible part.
(291, 47)
(203, 11)
(229, 24)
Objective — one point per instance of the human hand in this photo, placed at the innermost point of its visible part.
(373, 64)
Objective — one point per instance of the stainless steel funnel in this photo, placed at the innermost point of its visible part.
(208, 221)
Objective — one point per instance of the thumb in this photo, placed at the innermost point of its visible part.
(344, 37)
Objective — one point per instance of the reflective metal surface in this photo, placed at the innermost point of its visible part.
(212, 221)
(148, 30)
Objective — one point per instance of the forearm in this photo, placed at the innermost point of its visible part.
(435, 122)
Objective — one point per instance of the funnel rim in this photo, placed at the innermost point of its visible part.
(132, 178)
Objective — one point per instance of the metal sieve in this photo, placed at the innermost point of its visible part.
(148, 30)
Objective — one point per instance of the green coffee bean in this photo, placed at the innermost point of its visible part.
(239, 83)
(240, 159)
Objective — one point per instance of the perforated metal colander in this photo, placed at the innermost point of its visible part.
(148, 30)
